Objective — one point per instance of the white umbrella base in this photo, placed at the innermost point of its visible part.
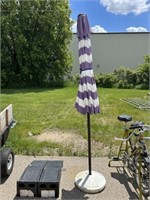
(91, 184)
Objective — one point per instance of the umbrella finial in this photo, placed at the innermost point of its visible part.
(83, 27)
(81, 14)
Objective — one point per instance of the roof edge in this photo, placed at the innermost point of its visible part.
(109, 33)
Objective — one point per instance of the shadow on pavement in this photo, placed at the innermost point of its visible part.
(124, 179)
(66, 194)
(73, 194)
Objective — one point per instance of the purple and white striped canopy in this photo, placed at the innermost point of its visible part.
(87, 99)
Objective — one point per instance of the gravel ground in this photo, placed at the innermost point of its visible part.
(119, 186)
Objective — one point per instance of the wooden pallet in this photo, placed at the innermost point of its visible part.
(138, 103)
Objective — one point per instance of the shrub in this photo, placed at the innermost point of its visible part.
(122, 77)
(143, 73)
(105, 80)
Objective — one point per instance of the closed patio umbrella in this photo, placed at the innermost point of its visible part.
(87, 103)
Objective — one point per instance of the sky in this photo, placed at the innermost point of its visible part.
(107, 16)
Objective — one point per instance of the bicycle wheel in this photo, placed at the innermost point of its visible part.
(143, 173)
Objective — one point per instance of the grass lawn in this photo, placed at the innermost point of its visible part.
(36, 110)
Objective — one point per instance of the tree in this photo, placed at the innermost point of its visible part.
(35, 37)
(143, 73)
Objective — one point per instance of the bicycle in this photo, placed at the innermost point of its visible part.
(134, 154)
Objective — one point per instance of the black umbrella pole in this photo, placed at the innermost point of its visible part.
(89, 142)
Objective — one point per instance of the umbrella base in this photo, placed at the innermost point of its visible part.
(91, 184)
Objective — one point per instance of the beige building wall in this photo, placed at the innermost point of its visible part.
(112, 50)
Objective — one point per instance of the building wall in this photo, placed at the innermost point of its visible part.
(112, 50)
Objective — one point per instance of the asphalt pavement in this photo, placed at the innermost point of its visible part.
(119, 184)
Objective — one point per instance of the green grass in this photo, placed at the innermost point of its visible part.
(38, 109)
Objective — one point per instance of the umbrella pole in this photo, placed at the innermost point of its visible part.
(89, 142)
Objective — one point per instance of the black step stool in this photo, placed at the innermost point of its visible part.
(39, 179)
(50, 179)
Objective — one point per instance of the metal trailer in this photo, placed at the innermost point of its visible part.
(6, 153)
